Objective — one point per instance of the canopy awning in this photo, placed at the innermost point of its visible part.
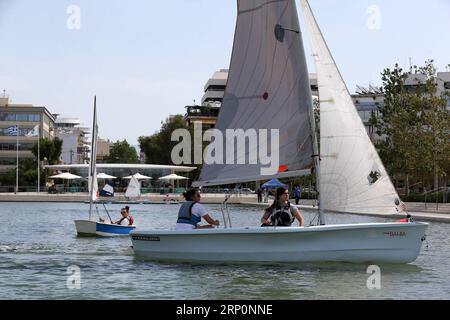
(66, 176)
(138, 176)
(105, 176)
(173, 177)
(272, 184)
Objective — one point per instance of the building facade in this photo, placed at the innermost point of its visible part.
(214, 91)
(443, 86)
(215, 87)
(103, 148)
(368, 100)
(26, 117)
(76, 146)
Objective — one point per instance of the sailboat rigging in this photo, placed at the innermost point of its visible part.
(268, 88)
(90, 227)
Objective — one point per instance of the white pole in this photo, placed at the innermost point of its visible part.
(39, 163)
(17, 160)
(92, 161)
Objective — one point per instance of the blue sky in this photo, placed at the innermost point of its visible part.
(146, 60)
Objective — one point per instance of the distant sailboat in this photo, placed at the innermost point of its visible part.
(90, 227)
(134, 189)
(268, 88)
(107, 191)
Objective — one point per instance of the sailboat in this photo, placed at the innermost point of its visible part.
(133, 189)
(91, 227)
(268, 88)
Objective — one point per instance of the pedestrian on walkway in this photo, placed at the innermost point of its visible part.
(297, 194)
(259, 192)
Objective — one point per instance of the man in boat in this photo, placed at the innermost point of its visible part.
(192, 212)
(281, 212)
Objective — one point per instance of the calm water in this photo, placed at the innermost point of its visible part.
(38, 243)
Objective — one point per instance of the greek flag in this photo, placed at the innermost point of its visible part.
(12, 131)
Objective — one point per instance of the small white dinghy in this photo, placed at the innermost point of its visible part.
(365, 242)
(90, 227)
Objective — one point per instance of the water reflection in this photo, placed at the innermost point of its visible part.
(37, 247)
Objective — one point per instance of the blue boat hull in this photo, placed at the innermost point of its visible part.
(89, 228)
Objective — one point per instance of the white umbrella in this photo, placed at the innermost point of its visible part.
(173, 176)
(138, 176)
(105, 176)
(66, 176)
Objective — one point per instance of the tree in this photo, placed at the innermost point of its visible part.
(122, 152)
(27, 174)
(158, 147)
(50, 149)
(373, 123)
(415, 122)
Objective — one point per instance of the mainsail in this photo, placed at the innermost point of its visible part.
(353, 178)
(268, 88)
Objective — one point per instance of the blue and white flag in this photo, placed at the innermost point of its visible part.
(34, 132)
(12, 131)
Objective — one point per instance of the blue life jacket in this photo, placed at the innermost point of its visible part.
(185, 214)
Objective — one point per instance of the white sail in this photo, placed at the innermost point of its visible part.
(107, 191)
(339, 242)
(134, 188)
(92, 178)
(353, 178)
(268, 88)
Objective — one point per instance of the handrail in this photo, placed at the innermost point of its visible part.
(445, 190)
(223, 213)
(435, 190)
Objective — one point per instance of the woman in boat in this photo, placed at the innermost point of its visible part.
(129, 216)
(126, 219)
(281, 212)
(192, 212)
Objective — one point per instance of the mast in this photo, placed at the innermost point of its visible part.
(316, 157)
(316, 153)
(92, 165)
(17, 159)
(39, 162)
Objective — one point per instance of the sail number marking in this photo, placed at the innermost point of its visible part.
(146, 238)
(395, 233)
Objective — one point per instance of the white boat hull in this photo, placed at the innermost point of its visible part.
(90, 228)
(368, 242)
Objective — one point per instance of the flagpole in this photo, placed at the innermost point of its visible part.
(39, 163)
(17, 161)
